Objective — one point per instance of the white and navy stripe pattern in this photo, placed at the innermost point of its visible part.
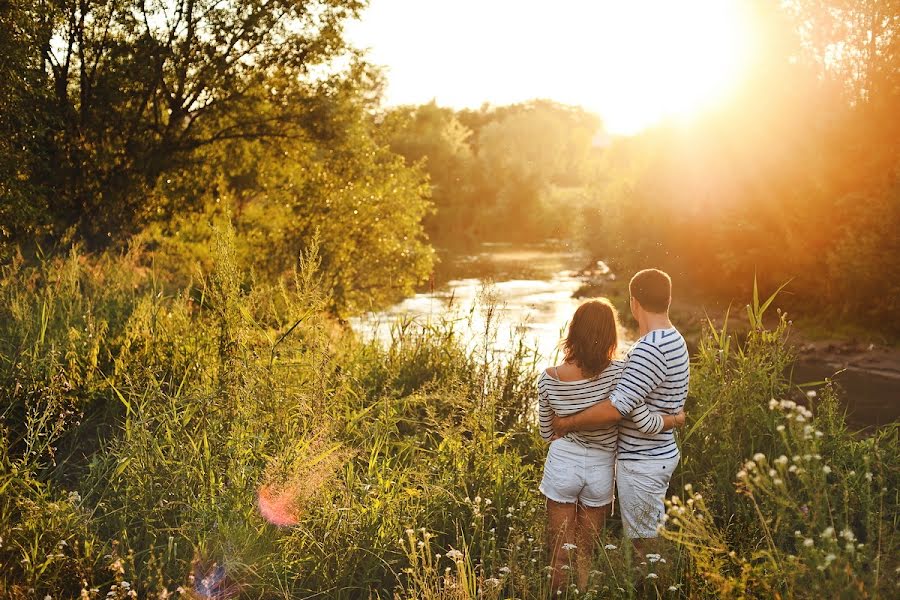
(569, 397)
(655, 376)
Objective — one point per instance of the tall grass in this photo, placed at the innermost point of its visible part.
(141, 427)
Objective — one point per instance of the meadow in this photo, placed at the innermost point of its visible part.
(234, 440)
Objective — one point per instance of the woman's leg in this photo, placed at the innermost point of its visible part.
(588, 523)
(560, 531)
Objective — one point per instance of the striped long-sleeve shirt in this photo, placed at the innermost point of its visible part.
(656, 375)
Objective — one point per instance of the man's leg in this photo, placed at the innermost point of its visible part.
(642, 486)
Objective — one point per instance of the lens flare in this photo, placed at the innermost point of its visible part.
(278, 506)
(213, 583)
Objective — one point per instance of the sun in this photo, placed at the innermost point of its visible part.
(665, 60)
(633, 62)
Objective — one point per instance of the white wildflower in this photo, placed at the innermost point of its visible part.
(826, 469)
(652, 575)
(610, 547)
(808, 542)
(759, 457)
(569, 547)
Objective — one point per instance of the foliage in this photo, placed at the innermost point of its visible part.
(124, 94)
(497, 166)
(145, 435)
(798, 182)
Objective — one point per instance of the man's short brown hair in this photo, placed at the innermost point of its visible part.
(653, 289)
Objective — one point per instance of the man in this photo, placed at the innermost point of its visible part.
(656, 377)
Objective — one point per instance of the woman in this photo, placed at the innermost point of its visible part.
(579, 473)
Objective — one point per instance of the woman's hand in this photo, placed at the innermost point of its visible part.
(679, 419)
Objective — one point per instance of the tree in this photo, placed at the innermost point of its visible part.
(134, 90)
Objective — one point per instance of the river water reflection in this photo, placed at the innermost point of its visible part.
(531, 288)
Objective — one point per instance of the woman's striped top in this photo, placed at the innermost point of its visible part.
(656, 375)
(569, 397)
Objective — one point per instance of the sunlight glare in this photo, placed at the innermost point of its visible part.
(634, 63)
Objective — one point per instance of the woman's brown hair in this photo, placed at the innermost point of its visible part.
(593, 337)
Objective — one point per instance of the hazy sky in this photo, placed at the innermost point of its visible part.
(632, 61)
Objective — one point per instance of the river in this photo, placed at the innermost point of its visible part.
(532, 287)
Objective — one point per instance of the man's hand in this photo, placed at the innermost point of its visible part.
(560, 425)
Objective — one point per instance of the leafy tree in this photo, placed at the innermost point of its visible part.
(134, 90)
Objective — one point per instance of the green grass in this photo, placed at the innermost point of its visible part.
(139, 424)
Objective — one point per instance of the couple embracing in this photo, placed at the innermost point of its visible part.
(610, 422)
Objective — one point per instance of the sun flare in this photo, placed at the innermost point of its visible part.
(634, 63)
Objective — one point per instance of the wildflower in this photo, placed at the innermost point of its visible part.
(800, 418)
(827, 533)
(848, 535)
(772, 472)
(868, 476)
(742, 474)
(569, 547)
(811, 394)
(653, 557)
(492, 582)
(830, 558)
(759, 457)
(410, 532)
(777, 481)
(773, 404)
(792, 469)
(487, 501)
(505, 570)
(610, 547)
(672, 588)
(808, 542)
(780, 428)
(688, 488)
(454, 554)
(819, 434)
(651, 576)
(826, 469)
(477, 499)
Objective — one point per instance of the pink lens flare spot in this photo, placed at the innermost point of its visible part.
(278, 507)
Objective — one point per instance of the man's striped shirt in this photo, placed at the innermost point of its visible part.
(656, 375)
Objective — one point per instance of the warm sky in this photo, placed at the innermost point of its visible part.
(632, 61)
